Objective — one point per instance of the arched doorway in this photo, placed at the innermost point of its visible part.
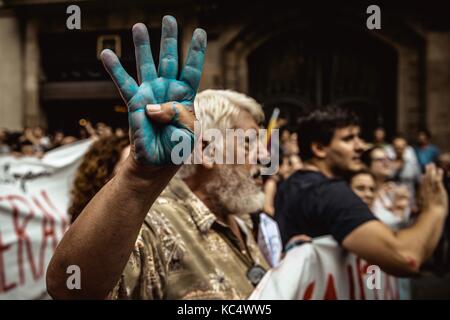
(318, 65)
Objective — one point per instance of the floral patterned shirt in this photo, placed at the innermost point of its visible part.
(184, 252)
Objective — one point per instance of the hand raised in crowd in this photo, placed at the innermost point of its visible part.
(399, 196)
(28, 135)
(89, 128)
(433, 196)
(400, 203)
(161, 103)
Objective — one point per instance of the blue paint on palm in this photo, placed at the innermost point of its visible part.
(152, 142)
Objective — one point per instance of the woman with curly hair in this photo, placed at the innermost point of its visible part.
(98, 166)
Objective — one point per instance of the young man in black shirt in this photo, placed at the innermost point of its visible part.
(316, 201)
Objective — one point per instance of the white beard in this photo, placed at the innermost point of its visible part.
(235, 192)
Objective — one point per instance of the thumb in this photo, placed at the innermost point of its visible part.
(171, 112)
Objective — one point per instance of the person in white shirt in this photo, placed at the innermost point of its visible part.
(405, 164)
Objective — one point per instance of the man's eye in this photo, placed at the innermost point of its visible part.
(348, 139)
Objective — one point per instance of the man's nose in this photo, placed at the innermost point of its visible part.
(360, 144)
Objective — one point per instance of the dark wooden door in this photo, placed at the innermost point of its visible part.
(305, 68)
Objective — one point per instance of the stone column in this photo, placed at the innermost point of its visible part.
(408, 91)
(33, 114)
(11, 103)
(438, 88)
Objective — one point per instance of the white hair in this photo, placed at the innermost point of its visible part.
(219, 109)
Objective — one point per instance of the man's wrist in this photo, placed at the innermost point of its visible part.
(143, 177)
(435, 210)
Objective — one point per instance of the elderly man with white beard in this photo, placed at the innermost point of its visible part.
(147, 234)
(195, 242)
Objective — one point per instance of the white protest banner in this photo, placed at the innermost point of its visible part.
(34, 197)
(321, 270)
(269, 239)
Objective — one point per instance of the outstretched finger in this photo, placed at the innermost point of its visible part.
(168, 56)
(192, 70)
(126, 84)
(146, 69)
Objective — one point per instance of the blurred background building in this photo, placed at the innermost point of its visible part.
(291, 57)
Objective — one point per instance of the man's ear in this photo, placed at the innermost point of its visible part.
(318, 150)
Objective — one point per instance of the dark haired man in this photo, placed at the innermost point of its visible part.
(405, 164)
(426, 151)
(316, 201)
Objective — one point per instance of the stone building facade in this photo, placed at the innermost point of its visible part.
(294, 58)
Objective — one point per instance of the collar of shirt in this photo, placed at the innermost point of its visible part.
(200, 214)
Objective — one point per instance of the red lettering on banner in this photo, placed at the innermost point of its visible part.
(48, 231)
(387, 289)
(397, 288)
(4, 287)
(352, 282)
(391, 292)
(21, 218)
(309, 291)
(64, 222)
(330, 292)
(22, 236)
(361, 271)
(375, 292)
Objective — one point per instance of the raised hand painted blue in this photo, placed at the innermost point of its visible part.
(152, 142)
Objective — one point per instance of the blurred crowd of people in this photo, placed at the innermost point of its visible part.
(36, 141)
(144, 228)
(388, 184)
(396, 164)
